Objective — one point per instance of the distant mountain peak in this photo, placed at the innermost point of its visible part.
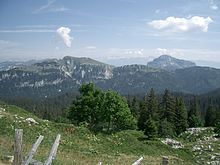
(169, 63)
(83, 60)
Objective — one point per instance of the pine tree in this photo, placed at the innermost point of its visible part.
(134, 107)
(194, 115)
(167, 107)
(166, 129)
(150, 129)
(144, 115)
(167, 115)
(152, 104)
(181, 116)
(217, 122)
(211, 116)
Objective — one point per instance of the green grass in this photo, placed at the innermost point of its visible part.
(80, 146)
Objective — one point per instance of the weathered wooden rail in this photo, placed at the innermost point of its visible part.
(18, 157)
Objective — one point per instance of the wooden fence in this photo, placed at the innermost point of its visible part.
(18, 157)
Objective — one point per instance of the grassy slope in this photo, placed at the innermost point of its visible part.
(79, 146)
(204, 144)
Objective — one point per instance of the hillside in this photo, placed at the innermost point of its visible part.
(198, 79)
(52, 77)
(80, 146)
(214, 93)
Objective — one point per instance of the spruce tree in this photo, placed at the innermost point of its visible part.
(144, 116)
(167, 115)
(166, 129)
(152, 104)
(150, 129)
(167, 107)
(134, 107)
(194, 115)
(181, 116)
(211, 116)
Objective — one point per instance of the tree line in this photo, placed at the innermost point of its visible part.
(158, 115)
(168, 115)
(165, 116)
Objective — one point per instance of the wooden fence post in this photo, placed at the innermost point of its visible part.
(33, 150)
(138, 161)
(18, 147)
(53, 151)
(165, 160)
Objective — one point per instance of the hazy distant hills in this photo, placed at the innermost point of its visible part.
(12, 64)
(53, 77)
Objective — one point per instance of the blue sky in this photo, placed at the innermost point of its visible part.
(113, 31)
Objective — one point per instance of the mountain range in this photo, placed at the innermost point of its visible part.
(53, 77)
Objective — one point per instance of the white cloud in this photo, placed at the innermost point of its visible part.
(214, 7)
(161, 51)
(172, 52)
(182, 24)
(213, 4)
(63, 32)
(117, 53)
(134, 52)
